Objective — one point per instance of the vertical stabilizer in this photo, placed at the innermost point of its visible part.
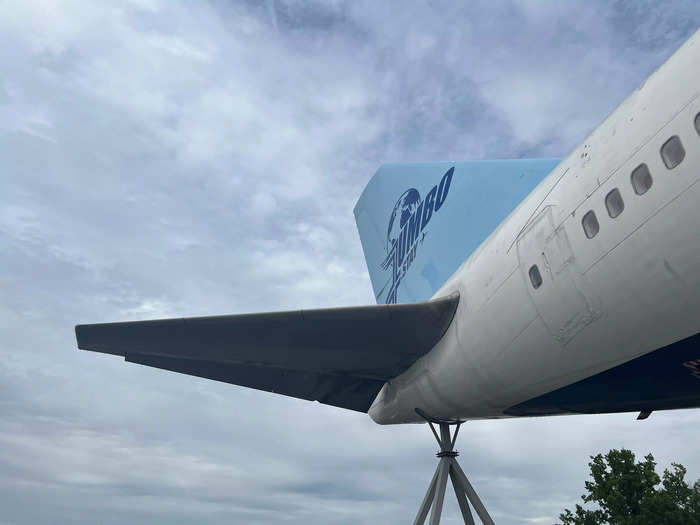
(419, 222)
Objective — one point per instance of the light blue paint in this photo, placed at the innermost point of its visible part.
(431, 274)
(481, 194)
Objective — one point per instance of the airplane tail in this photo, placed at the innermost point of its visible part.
(419, 222)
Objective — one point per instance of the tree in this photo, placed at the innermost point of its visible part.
(626, 492)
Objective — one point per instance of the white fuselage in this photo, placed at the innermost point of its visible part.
(631, 289)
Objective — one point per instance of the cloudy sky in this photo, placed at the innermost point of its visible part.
(163, 159)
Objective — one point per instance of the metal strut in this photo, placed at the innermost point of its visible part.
(448, 467)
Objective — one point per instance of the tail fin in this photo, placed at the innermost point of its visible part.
(419, 222)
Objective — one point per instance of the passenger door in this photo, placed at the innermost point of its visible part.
(563, 300)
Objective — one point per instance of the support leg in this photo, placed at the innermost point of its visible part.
(461, 498)
(471, 494)
(444, 469)
(428, 500)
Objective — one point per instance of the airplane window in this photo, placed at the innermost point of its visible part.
(614, 203)
(590, 224)
(641, 179)
(697, 123)
(535, 277)
(672, 152)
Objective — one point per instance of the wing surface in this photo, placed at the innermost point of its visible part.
(337, 356)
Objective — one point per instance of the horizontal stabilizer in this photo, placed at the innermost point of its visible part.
(337, 356)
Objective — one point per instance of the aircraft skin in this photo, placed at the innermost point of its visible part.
(519, 302)
(611, 327)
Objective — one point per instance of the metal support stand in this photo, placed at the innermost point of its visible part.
(448, 467)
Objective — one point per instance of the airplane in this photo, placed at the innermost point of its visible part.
(505, 288)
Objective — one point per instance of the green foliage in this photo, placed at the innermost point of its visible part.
(626, 492)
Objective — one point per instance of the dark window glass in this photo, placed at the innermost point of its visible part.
(672, 152)
(535, 277)
(614, 203)
(590, 224)
(697, 123)
(641, 179)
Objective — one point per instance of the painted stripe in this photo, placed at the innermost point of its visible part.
(664, 379)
